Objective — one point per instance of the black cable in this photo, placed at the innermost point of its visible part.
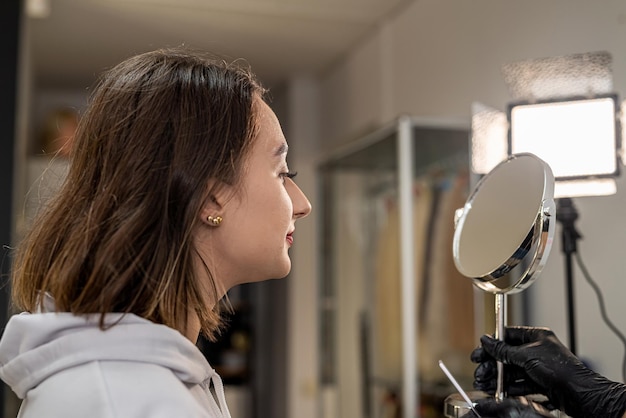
(603, 313)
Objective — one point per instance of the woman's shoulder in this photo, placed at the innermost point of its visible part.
(108, 389)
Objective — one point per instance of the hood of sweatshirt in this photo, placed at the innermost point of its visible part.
(36, 346)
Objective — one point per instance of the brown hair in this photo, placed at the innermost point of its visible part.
(119, 237)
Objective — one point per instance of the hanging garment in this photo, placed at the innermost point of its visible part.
(387, 324)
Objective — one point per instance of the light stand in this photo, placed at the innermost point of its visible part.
(566, 214)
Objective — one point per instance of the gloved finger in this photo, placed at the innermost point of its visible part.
(523, 387)
(487, 386)
(500, 350)
(486, 371)
(520, 388)
(489, 371)
(510, 407)
(516, 381)
(479, 355)
(523, 335)
(489, 406)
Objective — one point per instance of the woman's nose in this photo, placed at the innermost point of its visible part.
(301, 205)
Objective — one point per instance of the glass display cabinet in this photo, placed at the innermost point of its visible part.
(391, 300)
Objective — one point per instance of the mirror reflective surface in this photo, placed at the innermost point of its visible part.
(504, 232)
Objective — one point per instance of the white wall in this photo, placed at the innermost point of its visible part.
(435, 58)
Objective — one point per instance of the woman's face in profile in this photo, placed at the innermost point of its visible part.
(252, 242)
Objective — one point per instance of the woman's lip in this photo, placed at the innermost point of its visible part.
(290, 239)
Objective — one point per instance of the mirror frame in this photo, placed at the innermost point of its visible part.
(523, 266)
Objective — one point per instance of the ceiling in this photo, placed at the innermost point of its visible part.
(75, 40)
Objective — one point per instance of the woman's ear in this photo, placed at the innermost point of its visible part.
(213, 209)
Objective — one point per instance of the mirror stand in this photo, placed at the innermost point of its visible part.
(500, 306)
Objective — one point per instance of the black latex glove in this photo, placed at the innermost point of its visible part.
(541, 364)
(508, 408)
(516, 381)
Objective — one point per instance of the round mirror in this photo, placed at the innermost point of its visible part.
(504, 232)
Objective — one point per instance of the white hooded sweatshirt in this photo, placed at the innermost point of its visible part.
(63, 365)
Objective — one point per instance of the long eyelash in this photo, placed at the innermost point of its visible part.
(291, 174)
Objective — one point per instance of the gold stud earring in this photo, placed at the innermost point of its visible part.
(215, 221)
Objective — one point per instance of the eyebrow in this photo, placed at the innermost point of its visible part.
(281, 149)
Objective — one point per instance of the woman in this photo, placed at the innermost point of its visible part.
(178, 190)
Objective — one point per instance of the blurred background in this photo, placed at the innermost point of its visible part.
(341, 74)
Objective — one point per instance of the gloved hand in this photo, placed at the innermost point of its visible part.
(537, 362)
(508, 408)
(516, 381)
